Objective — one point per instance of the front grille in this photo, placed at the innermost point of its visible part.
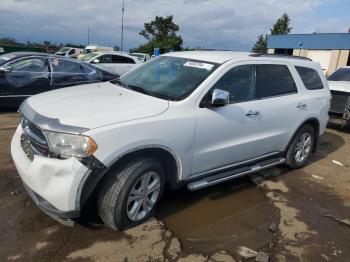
(33, 140)
(340, 102)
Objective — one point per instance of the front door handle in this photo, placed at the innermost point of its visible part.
(252, 113)
(301, 105)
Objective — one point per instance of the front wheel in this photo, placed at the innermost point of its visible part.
(130, 194)
(301, 146)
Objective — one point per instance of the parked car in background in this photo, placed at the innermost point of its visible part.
(339, 84)
(72, 52)
(184, 118)
(2, 50)
(95, 48)
(142, 56)
(112, 61)
(24, 74)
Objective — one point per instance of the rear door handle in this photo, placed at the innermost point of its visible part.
(252, 113)
(301, 105)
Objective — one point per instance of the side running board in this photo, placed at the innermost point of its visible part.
(235, 173)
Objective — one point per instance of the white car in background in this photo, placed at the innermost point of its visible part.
(339, 84)
(113, 62)
(67, 51)
(95, 48)
(142, 56)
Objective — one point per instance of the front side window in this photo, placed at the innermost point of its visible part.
(166, 77)
(310, 78)
(71, 52)
(274, 80)
(239, 82)
(105, 59)
(342, 74)
(32, 64)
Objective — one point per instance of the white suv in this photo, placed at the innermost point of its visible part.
(193, 118)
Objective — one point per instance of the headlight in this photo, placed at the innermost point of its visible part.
(68, 145)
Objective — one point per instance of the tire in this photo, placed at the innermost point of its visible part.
(294, 159)
(124, 182)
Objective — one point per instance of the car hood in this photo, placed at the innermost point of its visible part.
(341, 86)
(95, 105)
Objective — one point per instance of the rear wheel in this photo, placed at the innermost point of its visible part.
(130, 194)
(301, 147)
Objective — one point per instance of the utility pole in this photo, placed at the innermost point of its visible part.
(88, 35)
(122, 36)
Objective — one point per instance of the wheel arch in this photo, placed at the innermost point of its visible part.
(169, 159)
(315, 123)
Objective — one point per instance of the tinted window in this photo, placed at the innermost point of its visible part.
(71, 52)
(65, 66)
(239, 82)
(310, 77)
(105, 59)
(32, 64)
(342, 74)
(274, 80)
(122, 60)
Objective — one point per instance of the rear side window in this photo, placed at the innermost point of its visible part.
(274, 80)
(310, 77)
(69, 67)
(122, 60)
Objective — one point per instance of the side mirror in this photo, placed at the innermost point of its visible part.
(5, 69)
(95, 61)
(220, 98)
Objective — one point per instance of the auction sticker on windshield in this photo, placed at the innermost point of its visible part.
(200, 65)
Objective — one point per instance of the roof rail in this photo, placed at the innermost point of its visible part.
(280, 56)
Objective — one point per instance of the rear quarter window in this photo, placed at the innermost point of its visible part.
(310, 78)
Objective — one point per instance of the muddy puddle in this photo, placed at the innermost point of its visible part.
(221, 217)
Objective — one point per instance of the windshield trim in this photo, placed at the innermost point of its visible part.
(166, 97)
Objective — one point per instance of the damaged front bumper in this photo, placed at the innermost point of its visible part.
(55, 185)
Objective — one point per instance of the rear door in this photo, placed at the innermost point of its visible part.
(122, 64)
(282, 106)
(69, 73)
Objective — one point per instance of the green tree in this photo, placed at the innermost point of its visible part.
(8, 41)
(260, 45)
(281, 27)
(161, 33)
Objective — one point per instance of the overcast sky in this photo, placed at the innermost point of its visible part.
(219, 24)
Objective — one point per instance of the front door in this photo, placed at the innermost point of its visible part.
(229, 134)
(28, 76)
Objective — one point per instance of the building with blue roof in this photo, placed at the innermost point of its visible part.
(331, 50)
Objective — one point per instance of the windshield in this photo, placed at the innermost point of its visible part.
(170, 78)
(87, 51)
(87, 57)
(342, 74)
(64, 49)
